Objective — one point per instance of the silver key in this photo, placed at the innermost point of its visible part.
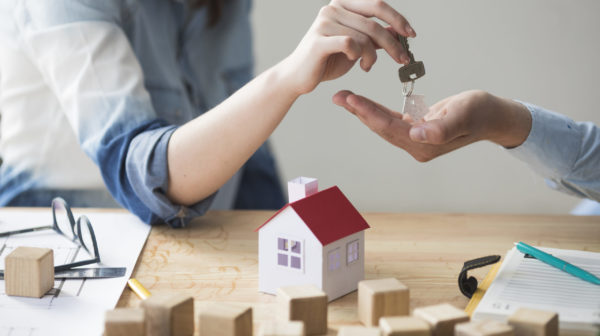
(410, 72)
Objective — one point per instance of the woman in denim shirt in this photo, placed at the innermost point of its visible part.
(154, 101)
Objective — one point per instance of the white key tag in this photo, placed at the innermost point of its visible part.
(415, 107)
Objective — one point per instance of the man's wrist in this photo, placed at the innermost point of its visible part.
(514, 123)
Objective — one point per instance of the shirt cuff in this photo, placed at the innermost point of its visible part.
(150, 181)
(551, 148)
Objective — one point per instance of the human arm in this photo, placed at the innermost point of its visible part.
(453, 122)
(231, 132)
(564, 152)
(83, 53)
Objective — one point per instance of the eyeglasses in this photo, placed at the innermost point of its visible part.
(79, 231)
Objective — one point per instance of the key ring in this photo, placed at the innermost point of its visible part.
(405, 91)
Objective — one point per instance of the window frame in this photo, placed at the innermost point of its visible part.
(336, 251)
(353, 251)
(289, 253)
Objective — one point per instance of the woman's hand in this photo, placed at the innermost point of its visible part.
(451, 123)
(343, 33)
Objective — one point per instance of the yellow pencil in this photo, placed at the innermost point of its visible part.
(138, 289)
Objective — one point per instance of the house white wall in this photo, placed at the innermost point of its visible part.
(287, 224)
(344, 279)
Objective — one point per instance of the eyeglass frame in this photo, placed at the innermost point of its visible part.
(74, 224)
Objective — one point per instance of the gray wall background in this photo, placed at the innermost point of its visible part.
(541, 51)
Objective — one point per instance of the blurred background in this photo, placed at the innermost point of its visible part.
(542, 51)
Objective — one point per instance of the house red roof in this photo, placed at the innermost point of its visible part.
(328, 214)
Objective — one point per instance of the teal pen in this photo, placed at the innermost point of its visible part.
(558, 263)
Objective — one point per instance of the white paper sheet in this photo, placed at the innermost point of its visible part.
(72, 307)
(527, 282)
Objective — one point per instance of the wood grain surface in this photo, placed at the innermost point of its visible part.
(215, 258)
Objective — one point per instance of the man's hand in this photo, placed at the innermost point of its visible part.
(451, 123)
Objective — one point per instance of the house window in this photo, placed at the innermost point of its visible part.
(289, 253)
(352, 249)
(334, 259)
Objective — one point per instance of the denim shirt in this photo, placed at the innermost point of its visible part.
(91, 91)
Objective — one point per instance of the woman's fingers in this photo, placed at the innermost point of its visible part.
(344, 44)
(370, 28)
(381, 10)
(368, 53)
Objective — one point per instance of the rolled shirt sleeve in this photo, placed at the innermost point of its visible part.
(566, 153)
(85, 57)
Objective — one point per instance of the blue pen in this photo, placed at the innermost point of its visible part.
(558, 263)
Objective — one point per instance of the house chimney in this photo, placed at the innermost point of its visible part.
(301, 187)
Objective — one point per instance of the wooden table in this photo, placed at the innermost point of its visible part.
(215, 258)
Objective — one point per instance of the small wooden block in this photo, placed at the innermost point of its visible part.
(124, 322)
(226, 319)
(483, 328)
(304, 303)
(282, 328)
(404, 326)
(359, 331)
(169, 315)
(441, 318)
(533, 322)
(381, 297)
(29, 271)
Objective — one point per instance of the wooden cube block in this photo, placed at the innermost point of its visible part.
(533, 322)
(226, 319)
(381, 297)
(483, 328)
(124, 322)
(29, 271)
(282, 328)
(404, 326)
(304, 303)
(359, 331)
(441, 318)
(169, 315)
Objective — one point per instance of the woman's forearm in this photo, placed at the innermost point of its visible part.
(205, 152)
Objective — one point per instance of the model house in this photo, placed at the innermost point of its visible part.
(317, 238)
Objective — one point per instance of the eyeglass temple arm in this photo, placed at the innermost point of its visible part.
(61, 268)
(39, 228)
(65, 267)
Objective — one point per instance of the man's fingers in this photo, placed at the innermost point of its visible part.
(438, 131)
(440, 104)
(439, 136)
(379, 120)
(340, 100)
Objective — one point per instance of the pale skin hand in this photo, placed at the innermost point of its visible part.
(205, 152)
(452, 123)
